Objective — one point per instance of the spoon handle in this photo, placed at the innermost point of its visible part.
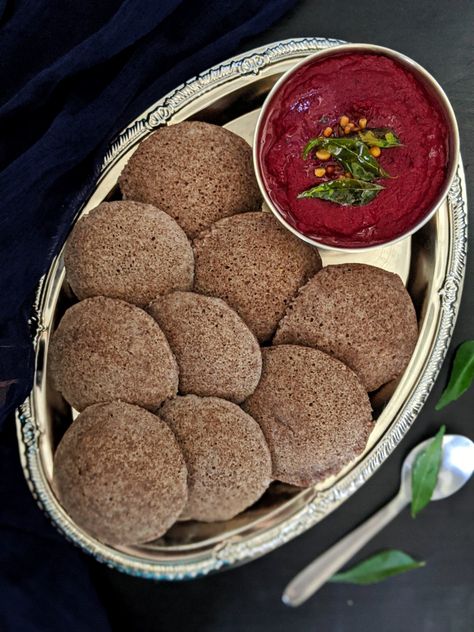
(311, 578)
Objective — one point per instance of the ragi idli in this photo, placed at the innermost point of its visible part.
(313, 410)
(358, 313)
(217, 354)
(130, 251)
(106, 349)
(196, 172)
(255, 265)
(119, 473)
(228, 461)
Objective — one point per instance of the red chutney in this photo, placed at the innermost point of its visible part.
(360, 86)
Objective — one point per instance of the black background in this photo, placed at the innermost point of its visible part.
(440, 597)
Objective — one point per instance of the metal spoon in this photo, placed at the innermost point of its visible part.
(457, 466)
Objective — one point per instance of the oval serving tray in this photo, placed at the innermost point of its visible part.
(431, 263)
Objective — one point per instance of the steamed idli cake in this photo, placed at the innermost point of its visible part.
(119, 473)
(130, 251)
(105, 349)
(314, 413)
(196, 172)
(217, 354)
(228, 461)
(360, 314)
(255, 265)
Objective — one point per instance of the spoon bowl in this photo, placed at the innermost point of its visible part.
(457, 466)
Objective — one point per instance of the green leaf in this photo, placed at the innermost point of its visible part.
(462, 375)
(377, 568)
(353, 155)
(379, 137)
(424, 474)
(314, 143)
(347, 192)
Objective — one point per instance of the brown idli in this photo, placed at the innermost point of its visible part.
(105, 349)
(119, 473)
(358, 313)
(255, 265)
(196, 172)
(313, 410)
(228, 461)
(217, 354)
(130, 251)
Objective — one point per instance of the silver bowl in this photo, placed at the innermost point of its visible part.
(433, 89)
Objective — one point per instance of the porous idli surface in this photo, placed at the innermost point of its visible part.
(105, 349)
(217, 354)
(196, 172)
(228, 460)
(254, 264)
(130, 251)
(120, 474)
(360, 314)
(313, 410)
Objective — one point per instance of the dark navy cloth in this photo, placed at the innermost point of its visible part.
(73, 73)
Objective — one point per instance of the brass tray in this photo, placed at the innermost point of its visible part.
(431, 263)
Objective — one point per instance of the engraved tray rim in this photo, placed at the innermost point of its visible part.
(231, 551)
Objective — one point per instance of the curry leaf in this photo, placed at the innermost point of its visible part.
(424, 473)
(311, 145)
(377, 568)
(347, 191)
(462, 375)
(379, 137)
(353, 155)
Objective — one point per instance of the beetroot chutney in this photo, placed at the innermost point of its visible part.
(359, 85)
